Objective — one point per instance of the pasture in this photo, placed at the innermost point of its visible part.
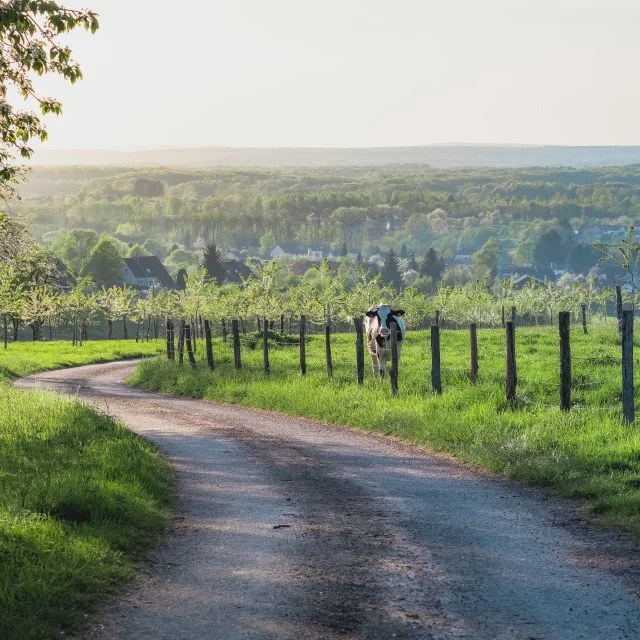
(81, 498)
(586, 453)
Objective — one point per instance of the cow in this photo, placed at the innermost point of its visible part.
(378, 321)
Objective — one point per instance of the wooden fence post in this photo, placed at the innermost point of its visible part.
(282, 324)
(303, 345)
(513, 315)
(628, 401)
(192, 359)
(583, 310)
(265, 345)
(473, 335)
(172, 340)
(327, 349)
(359, 349)
(393, 374)
(503, 325)
(564, 324)
(511, 363)
(168, 325)
(224, 330)
(619, 307)
(436, 379)
(181, 343)
(437, 321)
(209, 344)
(236, 344)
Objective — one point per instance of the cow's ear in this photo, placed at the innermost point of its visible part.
(371, 314)
(399, 313)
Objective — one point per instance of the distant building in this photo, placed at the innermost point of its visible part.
(320, 252)
(236, 272)
(290, 249)
(145, 272)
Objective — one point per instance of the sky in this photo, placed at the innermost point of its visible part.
(351, 73)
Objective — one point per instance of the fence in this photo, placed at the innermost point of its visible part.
(474, 373)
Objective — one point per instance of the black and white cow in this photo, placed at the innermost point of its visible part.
(377, 326)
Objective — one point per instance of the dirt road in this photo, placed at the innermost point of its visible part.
(291, 529)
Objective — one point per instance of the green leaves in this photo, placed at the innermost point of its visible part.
(29, 46)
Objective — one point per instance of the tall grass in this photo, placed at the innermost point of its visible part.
(586, 453)
(81, 497)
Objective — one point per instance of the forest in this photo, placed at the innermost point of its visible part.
(365, 211)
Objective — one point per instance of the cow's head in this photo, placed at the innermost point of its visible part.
(385, 317)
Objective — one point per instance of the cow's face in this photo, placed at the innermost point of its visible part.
(385, 317)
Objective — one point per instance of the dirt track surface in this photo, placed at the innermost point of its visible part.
(291, 529)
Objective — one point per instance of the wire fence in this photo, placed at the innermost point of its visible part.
(534, 374)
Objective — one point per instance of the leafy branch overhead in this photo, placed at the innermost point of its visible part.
(30, 46)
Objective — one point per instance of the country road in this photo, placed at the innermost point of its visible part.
(289, 529)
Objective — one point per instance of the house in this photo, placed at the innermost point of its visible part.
(592, 232)
(146, 271)
(289, 248)
(300, 267)
(319, 252)
(236, 272)
(316, 252)
(530, 273)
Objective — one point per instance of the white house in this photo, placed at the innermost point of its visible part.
(289, 248)
(145, 272)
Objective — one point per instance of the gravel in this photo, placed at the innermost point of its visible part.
(288, 528)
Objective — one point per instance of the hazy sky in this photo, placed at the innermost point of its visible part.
(352, 73)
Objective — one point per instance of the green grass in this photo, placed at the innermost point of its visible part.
(82, 499)
(585, 454)
(23, 358)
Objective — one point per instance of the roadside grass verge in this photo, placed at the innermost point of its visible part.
(82, 499)
(586, 454)
(22, 358)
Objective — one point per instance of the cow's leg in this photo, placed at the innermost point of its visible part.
(382, 365)
(375, 365)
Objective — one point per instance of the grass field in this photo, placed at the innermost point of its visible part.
(81, 498)
(586, 454)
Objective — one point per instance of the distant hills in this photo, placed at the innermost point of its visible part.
(435, 156)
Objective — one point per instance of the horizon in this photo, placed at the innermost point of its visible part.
(344, 75)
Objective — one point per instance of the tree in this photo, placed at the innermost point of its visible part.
(413, 264)
(212, 262)
(267, 242)
(138, 250)
(104, 264)
(582, 258)
(550, 249)
(485, 261)
(524, 253)
(181, 280)
(627, 254)
(181, 259)
(432, 266)
(345, 250)
(391, 271)
(29, 33)
(74, 247)
(404, 252)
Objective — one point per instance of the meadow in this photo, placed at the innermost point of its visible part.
(586, 453)
(82, 499)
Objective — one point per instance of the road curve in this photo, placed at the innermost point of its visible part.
(290, 529)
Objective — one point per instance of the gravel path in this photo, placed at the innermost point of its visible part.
(292, 529)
